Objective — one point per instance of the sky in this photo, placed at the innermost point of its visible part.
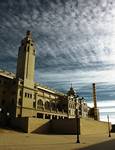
(75, 43)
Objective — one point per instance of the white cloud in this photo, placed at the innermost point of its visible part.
(105, 108)
(102, 104)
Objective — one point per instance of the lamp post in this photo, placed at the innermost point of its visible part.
(7, 121)
(77, 126)
(109, 126)
(0, 114)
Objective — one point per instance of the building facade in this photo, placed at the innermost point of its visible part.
(20, 96)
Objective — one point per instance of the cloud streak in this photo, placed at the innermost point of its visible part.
(62, 31)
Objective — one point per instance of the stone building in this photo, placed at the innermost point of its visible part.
(20, 96)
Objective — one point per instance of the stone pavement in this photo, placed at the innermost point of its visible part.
(11, 140)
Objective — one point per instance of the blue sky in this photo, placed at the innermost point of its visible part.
(75, 43)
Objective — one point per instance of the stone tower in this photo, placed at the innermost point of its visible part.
(96, 111)
(25, 77)
(71, 102)
(26, 61)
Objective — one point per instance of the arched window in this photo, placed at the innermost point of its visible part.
(47, 105)
(53, 106)
(70, 105)
(73, 106)
(40, 103)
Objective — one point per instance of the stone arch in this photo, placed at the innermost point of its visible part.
(53, 105)
(47, 105)
(40, 103)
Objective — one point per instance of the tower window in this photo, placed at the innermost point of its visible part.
(34, 52)
(30, 95)
(25, 94)
(20, 93)
(20, 101)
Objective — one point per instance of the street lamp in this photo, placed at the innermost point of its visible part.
(77, 125)
(0, 114)
(109, 126)
(8, 114)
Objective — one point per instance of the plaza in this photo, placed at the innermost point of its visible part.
(12, 140)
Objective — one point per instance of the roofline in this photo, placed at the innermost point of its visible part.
(7, 74)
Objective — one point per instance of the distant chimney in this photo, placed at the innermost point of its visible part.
(94, 96)
(96, 111)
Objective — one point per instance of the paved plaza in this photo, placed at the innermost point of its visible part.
(11, 140)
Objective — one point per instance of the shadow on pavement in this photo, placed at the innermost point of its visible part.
(108, 145)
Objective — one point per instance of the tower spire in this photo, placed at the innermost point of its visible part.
(29, 34)
(71, 85)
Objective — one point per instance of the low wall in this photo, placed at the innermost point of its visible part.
(36, 125)
(66, 126)
(60, 126)
(90, 126)
(87, 126)
(20, 124)
(31, 125)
